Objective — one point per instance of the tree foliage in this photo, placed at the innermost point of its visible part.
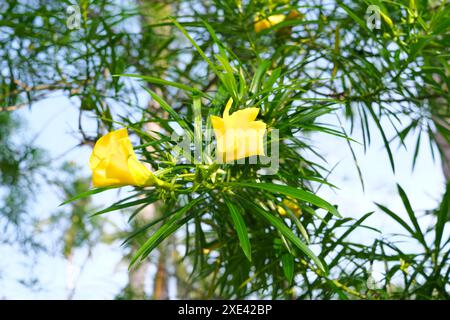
(241, 233)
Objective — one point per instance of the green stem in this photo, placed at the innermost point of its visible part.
(163, 184)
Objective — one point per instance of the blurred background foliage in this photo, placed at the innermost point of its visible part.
(21, 164)
(323, 60)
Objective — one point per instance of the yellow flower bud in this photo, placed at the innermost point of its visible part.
(262, 24)
(238, 135)
(281, 211)
(291, 205)
(114, 163)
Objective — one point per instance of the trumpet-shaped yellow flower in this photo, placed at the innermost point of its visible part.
(238, 135)
(262, 24)
(114, 163)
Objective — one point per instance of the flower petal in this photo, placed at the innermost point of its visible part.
(242, 118)
(140, 173)
(238, 135)
(114, 162)
(217, 123)
(226, 112)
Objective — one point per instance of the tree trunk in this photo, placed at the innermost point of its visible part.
(158, 10)
(161, 288)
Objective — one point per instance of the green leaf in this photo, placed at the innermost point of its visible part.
(197, 47)
(146, 226)
(86, 194)
(256, 81)
(418, 231)
(198, 125)
(383, 136)
(442, 216)
(159, 81)
(396, 218)
(240, 228)
(285, 231)
(299, 225)
(341, 239)
(274, 76)
(354, 16)
(118, 206)
(416, 150)
(163, 232)
(287, 261)
(302, 195)
(228, 78)
(171, 112)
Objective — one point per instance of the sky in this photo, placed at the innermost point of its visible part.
(52, 123)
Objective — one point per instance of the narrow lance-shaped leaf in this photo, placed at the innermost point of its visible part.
(163, 82)
(163, 232)
(285, 231)
(302, 195)
(240, 227)
(418, 231)
(85, 194)
(442, 216)
(396, 218)
(175, 116)
(287, 261)
(383, 136)
(118, 206)
(198, 125)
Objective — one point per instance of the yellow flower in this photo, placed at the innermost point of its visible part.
(262, 24)
(238, 135)
(281, 211)
(114, 163)
(290, 204)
